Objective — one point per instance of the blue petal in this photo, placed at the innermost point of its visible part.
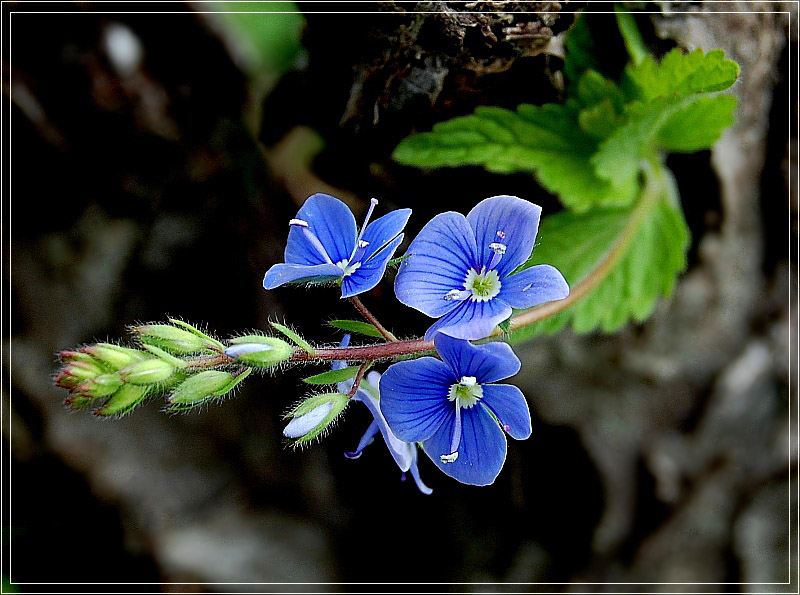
(517, 219)
(279, 274)
(383, 230)
(365, 441)
(415, 474)
(401, 451)
(369, 274)
(509, 405)
(481, 453)
(471, 320)
(334, 225)
(487, 363)
(438, 261)
(414, 397)
(533, 286)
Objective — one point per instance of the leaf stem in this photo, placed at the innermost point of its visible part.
(652, 190)
(371, 319)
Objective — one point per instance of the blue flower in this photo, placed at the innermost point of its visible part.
(324, 245)
(451, 407)
(460, 269)
(404, 453)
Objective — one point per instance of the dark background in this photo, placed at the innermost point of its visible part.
(155, 160)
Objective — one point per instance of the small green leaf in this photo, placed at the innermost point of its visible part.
(648, 269)
(594, 88)
(396, 261)
(356, 326)
(333, 376)
(682, 74)
(600, 120)
(294, 337)
(699, 125)
(505, 326)
(580, 49)
(631, 35)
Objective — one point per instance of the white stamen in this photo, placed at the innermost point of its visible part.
(299, 222)
(451, 458)
(501, 234)
(363, 243)
(457, 294)
(527, 287)
(497, 248)
(372, 203)
(469, 380)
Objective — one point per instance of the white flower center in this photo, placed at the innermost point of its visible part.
(484, 285)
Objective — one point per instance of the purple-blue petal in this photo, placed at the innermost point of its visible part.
(279, 274)
(517, 219)
(482, 450)
(401, 451)
(415, 474)
(438, 261)
(383, 230)
(487, 363)
(471, 320)
(334, 225)
(414, 397)
(533, 286)
(509, 405)
(369, 274)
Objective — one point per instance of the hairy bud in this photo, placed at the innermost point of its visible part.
(169, 338)
(100, 386)
(114, 356)
(313, 416)
(124, 400)
(77, 372)
(259, 351)
(149, 371)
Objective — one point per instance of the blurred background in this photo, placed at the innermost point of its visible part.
(155, 160)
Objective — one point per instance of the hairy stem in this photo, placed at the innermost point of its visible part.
(359, 377)
(371, 319)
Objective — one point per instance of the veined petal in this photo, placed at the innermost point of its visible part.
(401, 451)
(369, 274)
(438, 261)
(486, 363)
(279, 274)
(414, 397)
(517, 221)
(509, 405)
(482, 450)
(383, 230)
(533, 286)
(471, 320)
(332, 222)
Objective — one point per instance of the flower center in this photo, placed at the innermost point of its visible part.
(484, 285)
(466, 393)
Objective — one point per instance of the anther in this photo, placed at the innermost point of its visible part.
(457, 294)
(499, 250)
(527, 287)
(501, 234)
(298, 222)
(313, 240)
(358, 254)
(451, 458)
(469, 380)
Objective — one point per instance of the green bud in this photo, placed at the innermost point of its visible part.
(200, 387)
(78, 402)
(114, 356)
(149, 371)
(313, 416)
(124, 400)
(259, 351)
(100, 386)
(68, 356)
(169, 338)
(76, 373)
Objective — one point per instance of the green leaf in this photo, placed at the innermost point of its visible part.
(580, 50)
(600, 120)
(546, 140)
(333, 376)
(356, 326)
(648, 268)
(682, 74)
(594, 88)
(634, 43)
(699, 125)
(294, 337)
(396, 261)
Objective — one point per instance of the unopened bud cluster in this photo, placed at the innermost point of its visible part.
(175, 358)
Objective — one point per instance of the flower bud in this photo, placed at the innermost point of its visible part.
(78, 402)
(149, 371)
(259, 351)
(76, 373)
(68, 356)
(169, 338)
(313, 416)
(124, 400)
(114, 356)
(100, 386)
(201, 386)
